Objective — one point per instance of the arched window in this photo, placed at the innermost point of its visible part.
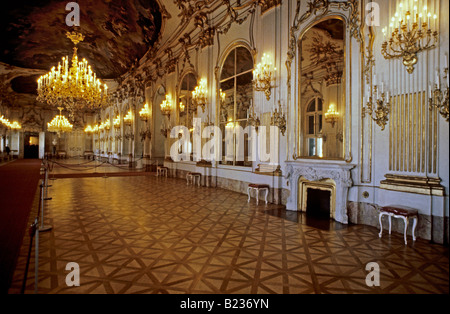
(237, 93)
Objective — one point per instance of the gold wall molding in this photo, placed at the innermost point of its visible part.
(413, 184)
(266, 5)
(409, 147)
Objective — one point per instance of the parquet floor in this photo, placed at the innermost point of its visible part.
(145, 234)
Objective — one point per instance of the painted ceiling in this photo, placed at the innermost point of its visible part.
(117, 32)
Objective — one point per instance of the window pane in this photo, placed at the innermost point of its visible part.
(320, 123)
(227, 109)
(311, 147)
(243, 97)
(312, 106)
(244, 60)
(227, 85)
(320, 147)
(319, 104)
(245, 79)
(311, 125)
(228, 66)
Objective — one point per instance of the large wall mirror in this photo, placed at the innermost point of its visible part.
(159, 122)
(322, 95)
(186, 108)
(236, 91)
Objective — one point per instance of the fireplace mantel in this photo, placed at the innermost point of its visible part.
(317, 170)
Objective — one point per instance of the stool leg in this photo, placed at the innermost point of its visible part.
(381, 224)
(406, 228)
(390, 223)
(257, 196)
(248, 192)
(199, 179)
(267, 193)
(187, 180)
(414, 228)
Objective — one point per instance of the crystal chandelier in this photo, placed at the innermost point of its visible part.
(73, 87)
(411, 33)
(59, 124)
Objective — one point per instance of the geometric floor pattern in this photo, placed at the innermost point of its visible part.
(155, 235)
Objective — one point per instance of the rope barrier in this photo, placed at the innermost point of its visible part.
(73, 167)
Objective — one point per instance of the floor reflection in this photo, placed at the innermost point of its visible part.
(309, 220)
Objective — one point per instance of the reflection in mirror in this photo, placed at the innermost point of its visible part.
(323, 90)
(186, 108)
(236, 84)
(185, 105)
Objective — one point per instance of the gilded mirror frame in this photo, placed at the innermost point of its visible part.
(346, 82)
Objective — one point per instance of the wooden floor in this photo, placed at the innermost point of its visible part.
(144, 234)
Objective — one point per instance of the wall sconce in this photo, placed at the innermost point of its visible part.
(332, 116)
(145, 113)
(438, 99)
(128, 119)
(279, 119)
(145, 134)
(107, 124)
(116, 123)
(15, 126)
(200, 93)
(182, 108)
(222, 96)
(89, 130)
(411, 33)
(380, 114)
(263, 76)
(166, 106)
(252, 118)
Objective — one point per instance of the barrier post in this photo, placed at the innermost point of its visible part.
(36, 261)
(43, 227)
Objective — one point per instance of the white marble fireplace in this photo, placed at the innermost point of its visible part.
(320, 171)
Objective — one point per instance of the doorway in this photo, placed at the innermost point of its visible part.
(31, 146)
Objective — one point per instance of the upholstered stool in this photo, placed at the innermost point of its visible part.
(191, 176)
(160, 170)
(258, 187)
(400, 211)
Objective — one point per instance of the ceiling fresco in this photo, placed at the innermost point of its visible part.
(117, 32)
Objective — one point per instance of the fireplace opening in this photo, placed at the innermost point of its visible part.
(318, 203)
